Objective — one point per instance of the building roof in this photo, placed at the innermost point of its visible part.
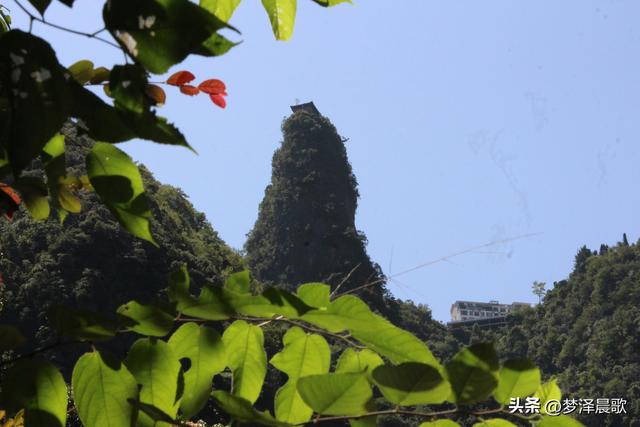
(309, 107)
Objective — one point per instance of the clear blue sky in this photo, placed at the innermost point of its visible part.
(468, 122)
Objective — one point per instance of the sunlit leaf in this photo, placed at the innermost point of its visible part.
(82, 71)
(180, 78)
(100, 75)
(546, 392)
(358, 361)
(315, 294)
(473, 373)
(206, 353)
(440, 423)
(518, 378)
(241, 410)
(244, 344)
(559, 421)
(223, 9)
(282, 14)
(494, 422)
(37, 387)
(146, 319)
(189, 90)
(101, 388)
(336, 394)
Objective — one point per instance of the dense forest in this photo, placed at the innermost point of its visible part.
(585, 332)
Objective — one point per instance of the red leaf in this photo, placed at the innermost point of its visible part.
(189, 90)
(180, 78)
(9, 200)
(218, 100)
(213, 87)
(156, 93)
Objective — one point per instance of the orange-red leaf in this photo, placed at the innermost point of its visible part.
(213, 87)
(156, 93)
(9, 200)
(180, 78)
(189, 90)
(218, 100)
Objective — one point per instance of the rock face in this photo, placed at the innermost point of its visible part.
(305, 231)
(91, 262)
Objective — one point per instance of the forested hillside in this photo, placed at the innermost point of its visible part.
(91, 262)
(586, 332)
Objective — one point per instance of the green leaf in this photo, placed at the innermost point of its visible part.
(40, 96)
(37, 387)
(247, 359)
(35, 196)
(559, 421)
(146, 319)
(351, 313)
(82, 71)
(518, 378)
(160, 33)
(127, 84)
(546, 392)
(238, 282)
(117, 181)
(210, 305)
(358, 361)
(473, 373)
(336, 394)
(315, 294)
(101, 387)
(301, 356)
(10, 338)
(205, 350)
(241, 410)
(494, 422)
(411, 383)
(40, 5)
(153, 413)
(81, 324)
(329, 3)
(156, 368)
(223, 9)
(282, 14)
(440, 423)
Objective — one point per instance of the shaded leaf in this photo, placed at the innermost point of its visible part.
(40, 5)
(100, 75)
(189, 90)
(82, 71)
(156, 368)
(210, 305)
(81, 324)
(157, 94)
(241, 410)
(336, 394)
(10, 338)
(117, 181)
(329, 3)
(411, 383)
(358, 361)
(473, 373)
(146, 319)
(35, 196)
(440, 423)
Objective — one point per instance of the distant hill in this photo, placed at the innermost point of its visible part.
(586, 332)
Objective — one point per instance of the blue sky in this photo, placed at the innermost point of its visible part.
(468, 122)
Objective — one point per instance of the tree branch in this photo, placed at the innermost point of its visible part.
(93, 35)
(38, 351)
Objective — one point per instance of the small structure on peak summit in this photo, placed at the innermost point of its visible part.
(309, 107)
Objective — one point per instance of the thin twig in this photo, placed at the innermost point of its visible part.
(93, 35)
(437, 260)
(344, 280)
(38, 351)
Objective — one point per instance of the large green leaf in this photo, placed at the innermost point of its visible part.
(118, 183)
(302, 355)
(473, 373)
(336, 394)
(358, 361)
(39, 96)
(518, 378)
(315, 294)
(440, 423)
(411, 383)
(241, 410)
(156, 368)
(559, 421)
(223, 9)
(81, 324)
(546, 392)
(351, 313)
(10, 338)
(146, 319)
(494, 422)
(282, 14)
(246, 357)
(101, 387)
(161, 33)
(37, 387)
(205, 350)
